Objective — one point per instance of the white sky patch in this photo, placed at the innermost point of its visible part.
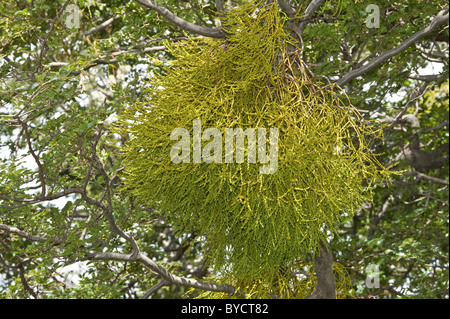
(71, 273)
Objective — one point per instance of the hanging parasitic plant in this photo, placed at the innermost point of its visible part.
(253, 221)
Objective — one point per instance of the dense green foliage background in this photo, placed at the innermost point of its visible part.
(60, 203)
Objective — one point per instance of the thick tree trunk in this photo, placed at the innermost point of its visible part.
(326, 284)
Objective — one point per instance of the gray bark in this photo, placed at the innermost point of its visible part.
(326, 283)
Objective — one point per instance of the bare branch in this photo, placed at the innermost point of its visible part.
(433, 54)
(115, 52)
(426, 78)
(155, 288)
(326, 283)
(101, 26)
(310, 10)
(94, 63)
(183, 24)
(21, 233)
(27, 201)
(378, 217)
(41, 170)
(220, 5)
(50, 29)
(163, 273)
(439, 19)
(429, 178)
(401, 117)
(143, 47)
(287, 8)
(415, 96)
(155, 49)
(24, 281)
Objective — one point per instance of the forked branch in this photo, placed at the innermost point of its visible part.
(183, 24)
(440, 19)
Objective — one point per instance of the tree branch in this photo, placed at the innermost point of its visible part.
(382, 287)
(101, 26)
(439, 19)
(429, 178)
(220, 5)
(378, 217)
(287, 8)
(163, 273)
(326, 283)
(21, 233)
(183, 24)
(426, 78)
(24, 280)
(50, 29)
(417, 93)
(154, 289)
(310, 10)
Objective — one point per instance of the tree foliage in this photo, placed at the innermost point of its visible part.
(262, 224)
(62, 197)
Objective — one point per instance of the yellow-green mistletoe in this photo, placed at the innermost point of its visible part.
(251, 224)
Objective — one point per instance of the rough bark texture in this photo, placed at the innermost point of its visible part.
(326, 284)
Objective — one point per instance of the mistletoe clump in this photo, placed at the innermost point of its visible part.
(252, 225)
